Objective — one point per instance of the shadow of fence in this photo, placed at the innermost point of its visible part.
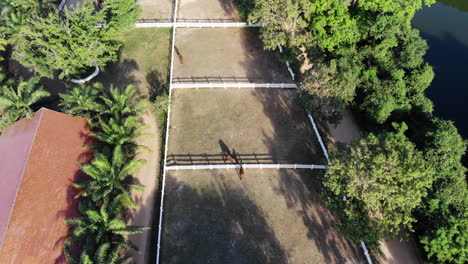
(220, 158)
(214, 79)
(155, 20)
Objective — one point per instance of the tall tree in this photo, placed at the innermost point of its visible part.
(329, 87)
(442, 218)
(71, 42)
(383, 179)
(285, 22)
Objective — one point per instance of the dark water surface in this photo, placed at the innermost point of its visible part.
(445, 27)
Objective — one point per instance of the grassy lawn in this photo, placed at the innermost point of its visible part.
(143, 61)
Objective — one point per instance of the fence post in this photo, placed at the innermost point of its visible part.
(366, 252)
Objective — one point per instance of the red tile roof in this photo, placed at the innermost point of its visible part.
(39, 160)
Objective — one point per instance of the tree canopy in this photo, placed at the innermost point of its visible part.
(383, 177)
(71, 41)
(442, 217)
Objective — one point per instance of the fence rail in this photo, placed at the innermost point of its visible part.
(233, 85)
(196, 25)
(324, 149)
(245, 166)
(220, 159)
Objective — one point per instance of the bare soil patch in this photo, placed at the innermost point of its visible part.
(159, 9)
(256, 125)
(225, 55)
(273, 216)
(208, 9)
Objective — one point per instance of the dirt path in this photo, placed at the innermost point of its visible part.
(148, 176)
(392, 251)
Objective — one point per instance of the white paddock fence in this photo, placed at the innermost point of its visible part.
(245, 166)
(61, 5)
(324, 149)
(233, 85)
(168, 125)
(196, 24)
(91, 76)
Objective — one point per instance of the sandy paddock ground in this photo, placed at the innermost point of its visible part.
(160, 9)
(262, 123)
(272, 216)
(228, 55)
(208, 9)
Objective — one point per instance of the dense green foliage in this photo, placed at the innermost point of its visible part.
(375, 38)
(82, 101)
(106, 194)
(17, 13)
(71, 41)
(17, 99)
(384, 177)
(3, 44)
(109, 177)
(328, 88)
(442, 217)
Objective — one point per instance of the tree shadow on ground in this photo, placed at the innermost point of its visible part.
(217, 224)
(293, 138)
(301, 188)
(228, 6)
(157, 84)
(119, 74)
(261, 63)
(236, 55)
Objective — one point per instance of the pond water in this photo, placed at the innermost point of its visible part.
(445, 27)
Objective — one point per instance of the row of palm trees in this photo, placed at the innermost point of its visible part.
(99, 235)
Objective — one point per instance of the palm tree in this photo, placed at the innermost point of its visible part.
(110, 177)
(107, 253)
(82, 101)
(120, 104)
(16, 103)
(102, 224)
(119, 132)
(100, 228)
